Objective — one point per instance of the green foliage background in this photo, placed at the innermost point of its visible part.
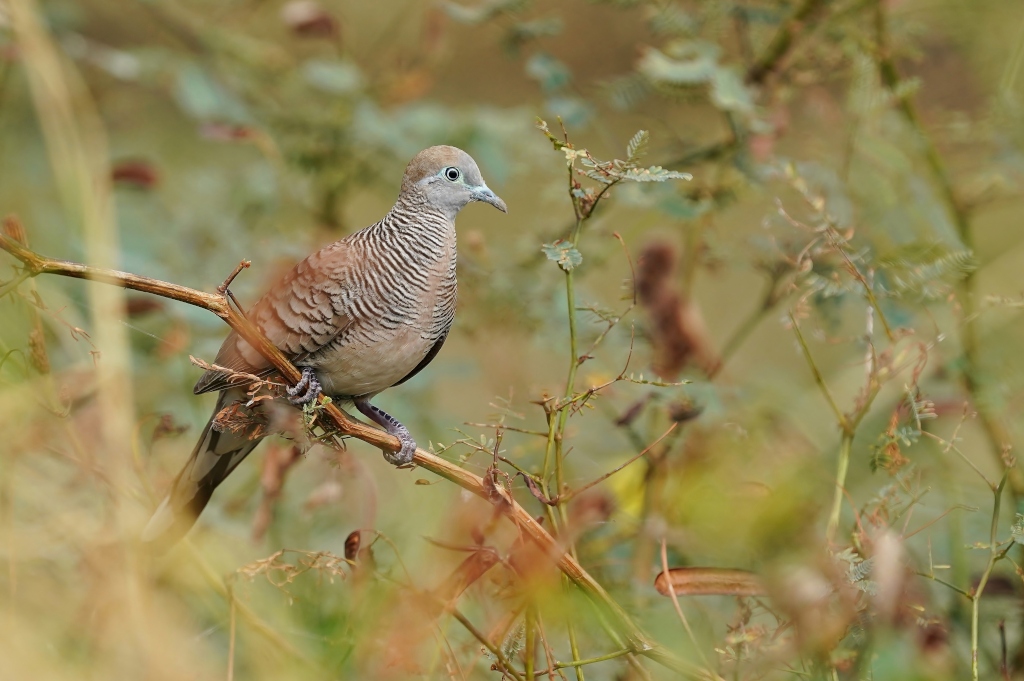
(852, 160)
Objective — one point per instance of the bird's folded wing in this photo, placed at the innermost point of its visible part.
(303, 312)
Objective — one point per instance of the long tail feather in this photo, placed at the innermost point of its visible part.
(214, 457)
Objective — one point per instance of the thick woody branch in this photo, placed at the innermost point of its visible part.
(218, 303)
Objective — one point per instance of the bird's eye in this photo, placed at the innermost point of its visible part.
(452, 174)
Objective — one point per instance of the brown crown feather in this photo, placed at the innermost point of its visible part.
(430, 161)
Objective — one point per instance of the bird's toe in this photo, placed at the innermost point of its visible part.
(404, 455)
(306, 390)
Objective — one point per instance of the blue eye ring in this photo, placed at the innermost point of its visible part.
(451, 173)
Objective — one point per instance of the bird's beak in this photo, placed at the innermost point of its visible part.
(483, 193)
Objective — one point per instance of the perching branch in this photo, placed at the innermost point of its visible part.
(219, 304)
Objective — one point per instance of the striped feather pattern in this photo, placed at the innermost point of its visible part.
(365, 310)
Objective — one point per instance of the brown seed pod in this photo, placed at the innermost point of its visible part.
(352, 543)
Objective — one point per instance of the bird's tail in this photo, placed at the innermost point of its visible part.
(215, 456)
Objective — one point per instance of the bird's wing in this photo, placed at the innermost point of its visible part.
(300, 314)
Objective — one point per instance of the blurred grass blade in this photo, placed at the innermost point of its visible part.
(702, 581)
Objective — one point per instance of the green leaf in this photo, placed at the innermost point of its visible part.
(917, 267)
(673, 20)
(525, 31)
(653, 174)
(482, 11)
(696, 63)
(564, 253)
(627, 91)
(574, 112)
(637, 146)
(551, 74)
(203, 98)
(335, 77)
(729, 92)
(1017, 532)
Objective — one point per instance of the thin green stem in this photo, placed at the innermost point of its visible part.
(14, 283)
(493, 649)
(943, 582)
(575, 648)
(994, 555)
(589, 660)
(837, 500)
(818, 378)
(563, 417)
(531, 635)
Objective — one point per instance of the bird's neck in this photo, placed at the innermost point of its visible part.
(412, 211)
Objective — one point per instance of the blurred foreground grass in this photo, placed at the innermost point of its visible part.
(840, 283)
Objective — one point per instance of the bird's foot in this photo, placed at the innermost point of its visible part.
(306, 390)
(389, 423)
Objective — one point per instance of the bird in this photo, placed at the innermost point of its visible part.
(361, 315)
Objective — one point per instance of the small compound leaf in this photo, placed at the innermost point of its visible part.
(564, 253)
(653, 174)
(637, 146)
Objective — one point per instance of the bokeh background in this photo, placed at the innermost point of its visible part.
(857, 172)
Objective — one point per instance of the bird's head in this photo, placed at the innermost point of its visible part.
(448, 179)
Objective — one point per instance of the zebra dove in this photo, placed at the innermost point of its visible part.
(359, 316)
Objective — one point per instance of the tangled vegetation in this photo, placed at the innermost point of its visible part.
(734, 393)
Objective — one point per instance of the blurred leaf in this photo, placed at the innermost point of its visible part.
(627, 91)
(1017, 532)
(336, 77)
(203, 98)
(551, 74)
(513, 642)
(729, 92)
(703, 581)
(858, 570)
(695, 63)
(481, 12)
(523, 32)
(573, 111)
(564, 253)
(671, 19)
(683, 208)
(916, 267)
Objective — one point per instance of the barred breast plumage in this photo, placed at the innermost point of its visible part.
(359, 316)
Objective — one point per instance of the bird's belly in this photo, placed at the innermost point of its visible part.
(369, 366)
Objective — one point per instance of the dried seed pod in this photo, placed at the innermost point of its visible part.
(37, 351)
(702, 581)
(352, 543)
